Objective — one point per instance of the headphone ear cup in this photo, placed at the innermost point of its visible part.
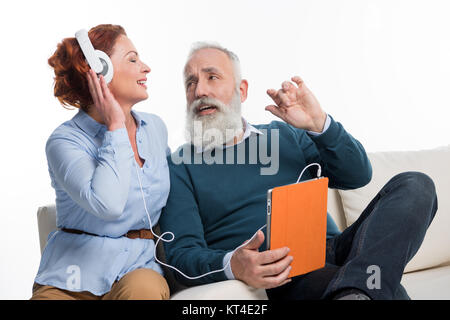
(108, 70)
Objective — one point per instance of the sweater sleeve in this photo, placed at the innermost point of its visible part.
(188, 251)
(343, 159)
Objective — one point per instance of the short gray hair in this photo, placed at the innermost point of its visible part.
(196, 46)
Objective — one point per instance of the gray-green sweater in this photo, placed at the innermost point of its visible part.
(213, 208)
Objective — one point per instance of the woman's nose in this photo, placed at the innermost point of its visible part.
(146, 68)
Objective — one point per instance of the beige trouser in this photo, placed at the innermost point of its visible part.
(140, 284)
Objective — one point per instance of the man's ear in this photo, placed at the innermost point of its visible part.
(243, 88)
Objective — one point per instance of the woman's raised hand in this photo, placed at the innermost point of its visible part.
(105, 103)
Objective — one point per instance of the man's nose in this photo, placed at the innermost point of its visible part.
(201, 90)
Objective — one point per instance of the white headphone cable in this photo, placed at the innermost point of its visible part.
(161, 238)
(319, 170)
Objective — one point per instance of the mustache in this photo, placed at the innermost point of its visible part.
(206, 101)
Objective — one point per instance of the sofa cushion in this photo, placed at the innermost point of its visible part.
(335, 209)
(223, 290)
(430, 284)
(435, 249)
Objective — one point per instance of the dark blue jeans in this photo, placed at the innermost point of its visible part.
(387, 235)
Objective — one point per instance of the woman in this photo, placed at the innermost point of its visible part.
(104, 248)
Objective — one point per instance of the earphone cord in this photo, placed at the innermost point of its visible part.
(161, 238)
(319, 170)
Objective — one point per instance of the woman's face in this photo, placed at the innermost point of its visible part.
(128, 84)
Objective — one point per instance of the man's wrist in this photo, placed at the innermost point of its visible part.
(227, 265)
(325, 127)
(318, 124)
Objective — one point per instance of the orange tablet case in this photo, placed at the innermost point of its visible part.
(297, 218)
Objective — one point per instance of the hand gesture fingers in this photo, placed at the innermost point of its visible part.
(302, 90)
(274, 274)
(295, 104)
(274, 95)
(260, 269)
(255, 242)
(275, 268)
(93, 88)
(104, 101)
(279, 280)
(106, 93)
(276, 111)
(286, 96)
(271, 256)
(298, 81)
(281, 103)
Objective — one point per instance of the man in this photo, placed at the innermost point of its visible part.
(219, 189)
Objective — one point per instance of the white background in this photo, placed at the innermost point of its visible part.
(381, 68)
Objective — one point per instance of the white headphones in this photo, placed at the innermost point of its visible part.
(97, 60)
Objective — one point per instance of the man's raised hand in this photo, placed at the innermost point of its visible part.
(296, 105)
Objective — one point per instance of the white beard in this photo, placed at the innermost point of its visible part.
(214, 130)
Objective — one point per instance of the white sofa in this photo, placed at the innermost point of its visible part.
(427, 276)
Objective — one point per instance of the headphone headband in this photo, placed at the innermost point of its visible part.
(97, 60)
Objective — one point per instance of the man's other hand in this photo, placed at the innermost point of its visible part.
(267, 269)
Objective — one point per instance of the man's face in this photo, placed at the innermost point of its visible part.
(209, 74)
(213, 114)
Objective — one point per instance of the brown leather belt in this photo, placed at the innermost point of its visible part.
(132, 234)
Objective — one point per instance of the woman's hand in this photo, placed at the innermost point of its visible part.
(296, 105)
(104, 102)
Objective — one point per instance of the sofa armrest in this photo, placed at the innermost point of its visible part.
(46, 219)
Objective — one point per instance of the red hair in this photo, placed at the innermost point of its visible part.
(71, 86)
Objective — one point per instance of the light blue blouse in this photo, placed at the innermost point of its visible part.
(93, 172)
